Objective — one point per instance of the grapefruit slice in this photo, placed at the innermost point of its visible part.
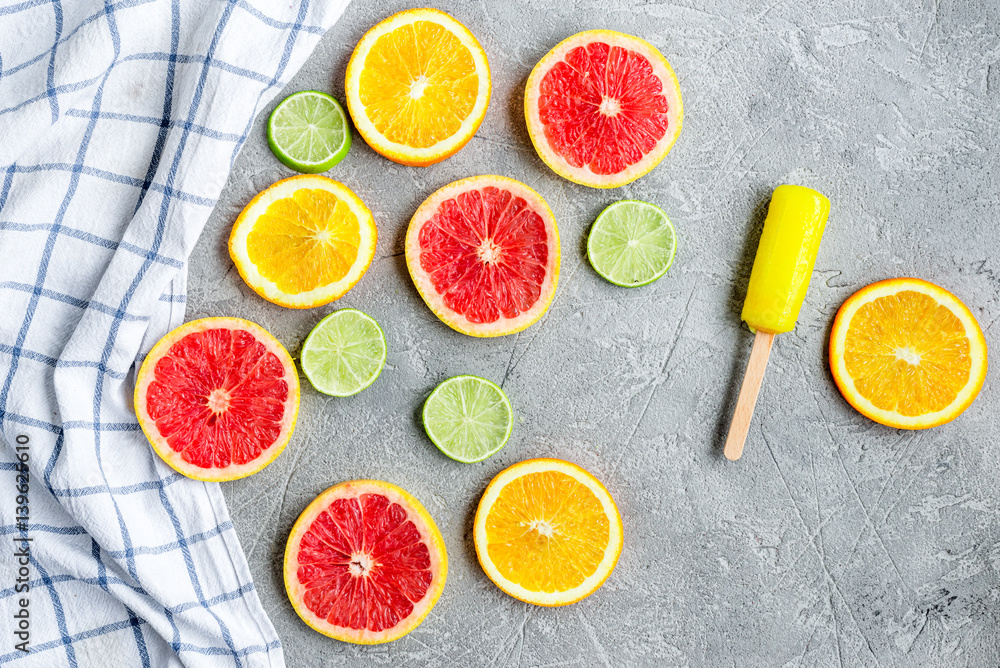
(217, 398)
(364, 563)
(484, 254)
(603, 108)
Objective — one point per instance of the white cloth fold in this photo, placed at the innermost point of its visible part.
(119, 123)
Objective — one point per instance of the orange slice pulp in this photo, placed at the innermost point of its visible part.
(547, 532)
(907, 353)
(418, 85)
(304, 241)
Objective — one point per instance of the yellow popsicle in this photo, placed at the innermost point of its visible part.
(785, 258)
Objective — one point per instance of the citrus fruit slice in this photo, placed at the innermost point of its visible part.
(907, 353)
(418, 85)
(468, 418)
(547, 532)
(217, 398)
(364, 563)
(344, 353)
(631, 243)
(484, 254)
(603, 108)
(303, 242)
(308, 132)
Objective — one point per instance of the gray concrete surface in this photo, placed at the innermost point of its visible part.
(835, 541)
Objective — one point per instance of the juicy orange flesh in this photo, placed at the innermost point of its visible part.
(907, 353)
(547, 532)
(419, 84)
(305, 241)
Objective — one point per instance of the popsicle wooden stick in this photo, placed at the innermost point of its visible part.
(752, 379)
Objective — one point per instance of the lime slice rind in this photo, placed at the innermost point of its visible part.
(632, 243)
(468, 418)
(344, 353)
(308, 132)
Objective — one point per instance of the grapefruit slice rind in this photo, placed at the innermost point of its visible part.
(364, 563)
(603, 108)
(217, 398)
(484, 254)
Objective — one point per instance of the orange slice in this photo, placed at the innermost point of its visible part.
(418, 85)
(303, 242)
(907, 353)
(547, 532)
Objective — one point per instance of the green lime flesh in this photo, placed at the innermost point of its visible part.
(631, 243)
(308, 132)
(344, 353)
(468, 418)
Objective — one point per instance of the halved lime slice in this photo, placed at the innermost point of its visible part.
(344, 353)
(631, 243)
(308, 132)
(468, 418)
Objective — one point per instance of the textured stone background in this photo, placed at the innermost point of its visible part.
(835, 541)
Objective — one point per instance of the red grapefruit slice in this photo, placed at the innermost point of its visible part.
(603, 108)
(217, 398)
(484, 254)
(364, 563)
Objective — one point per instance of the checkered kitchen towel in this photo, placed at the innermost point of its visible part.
(119, 123)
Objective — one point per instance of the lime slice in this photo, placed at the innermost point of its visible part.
(468, 418)
(344, 353)
(632, 243)
(308, 132)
